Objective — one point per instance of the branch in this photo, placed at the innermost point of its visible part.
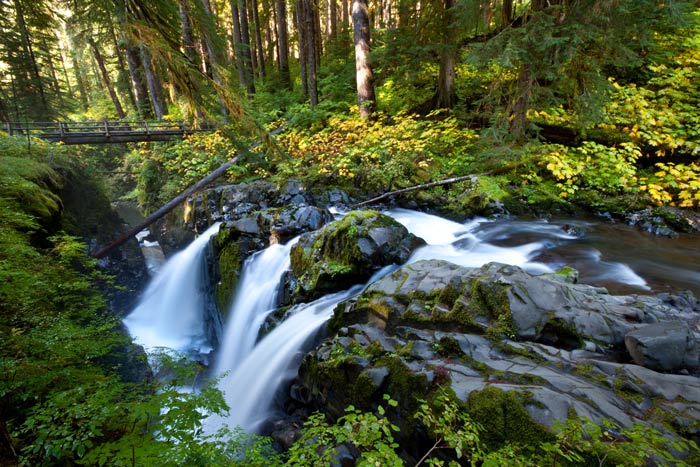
(174, 202)
(420, 187)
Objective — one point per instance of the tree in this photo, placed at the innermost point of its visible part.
(445, 95)
(363, 70)
(106, 80)
(282, 42)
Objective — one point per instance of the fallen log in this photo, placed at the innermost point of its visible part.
(169, 206)
(446, 181)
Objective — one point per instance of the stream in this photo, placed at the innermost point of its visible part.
(253, 372)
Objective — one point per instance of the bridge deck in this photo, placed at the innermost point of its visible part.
(101, 132)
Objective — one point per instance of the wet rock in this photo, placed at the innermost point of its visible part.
(664, 346)
(348, 252)
(432, 324)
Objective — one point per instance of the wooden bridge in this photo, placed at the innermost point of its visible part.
(102, 132)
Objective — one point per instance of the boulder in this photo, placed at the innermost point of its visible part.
(348, 252)
(503, 342)
(664, 346)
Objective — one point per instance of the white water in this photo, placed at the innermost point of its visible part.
(171, 312)
(255, 298)
(253, 373)
(250, 388)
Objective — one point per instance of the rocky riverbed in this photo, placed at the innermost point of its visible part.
(520, 350)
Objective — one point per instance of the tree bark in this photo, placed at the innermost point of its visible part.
(106, 79)
(133, 60)
(303, 46)
(245, 47)
(188, 45)
(445, 97)
(214, 59)
(506, 12)
(168, 207)
(283, 42)
(175, 202)
(235, 19)
(333, 20)
(311, 54)
(154, 86)
(363, 70)
(29, 55)
(258, 39)
(80, 81)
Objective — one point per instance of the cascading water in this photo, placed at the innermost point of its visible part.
(255, 298)
(250, 388)
(171, 312)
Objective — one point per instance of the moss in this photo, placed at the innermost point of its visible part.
(504, 418)
(449, 347)
(561, 334)
(524, 352)
(228, 267)
(363, 388)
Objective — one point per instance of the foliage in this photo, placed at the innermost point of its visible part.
(674, 184)
(386, 154)
(371, 434)
(606, 169)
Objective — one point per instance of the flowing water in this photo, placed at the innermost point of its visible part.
(171, 312)
(252, 371)
(255, 298)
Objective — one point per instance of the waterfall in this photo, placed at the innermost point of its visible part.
(250, 388)
(171, 311)
(255, 298)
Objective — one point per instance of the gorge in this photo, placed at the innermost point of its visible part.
(480, 306)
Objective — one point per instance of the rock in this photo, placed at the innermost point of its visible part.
(433, 324)
(348, 252)
(664, 346)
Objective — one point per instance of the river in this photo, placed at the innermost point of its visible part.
(171, 313)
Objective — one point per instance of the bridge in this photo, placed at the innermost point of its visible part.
(101, 132)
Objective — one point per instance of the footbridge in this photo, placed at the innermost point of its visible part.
(103, 131)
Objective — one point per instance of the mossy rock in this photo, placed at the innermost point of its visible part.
(227, 266)
(504, 418)
(348, 252)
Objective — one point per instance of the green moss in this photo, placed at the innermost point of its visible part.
(504, 418)
(228, 266)
(363, 388)
(449, 347)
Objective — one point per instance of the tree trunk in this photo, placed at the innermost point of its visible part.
(283, 42)
(188, 46)
(214, 60)
(316, 30)
(258, 39)
(445, 96)
(235, 19)
(246, 52)
(154, 86)
(333, 20)
(363, 70)
(124, 85)
(133, 60)
(506, 12)
(80, 81)
(106, 79)
(311, 55)
(303, 46)
(36, 82)
(54, 76)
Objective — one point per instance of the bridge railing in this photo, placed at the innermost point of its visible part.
(104, 128)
